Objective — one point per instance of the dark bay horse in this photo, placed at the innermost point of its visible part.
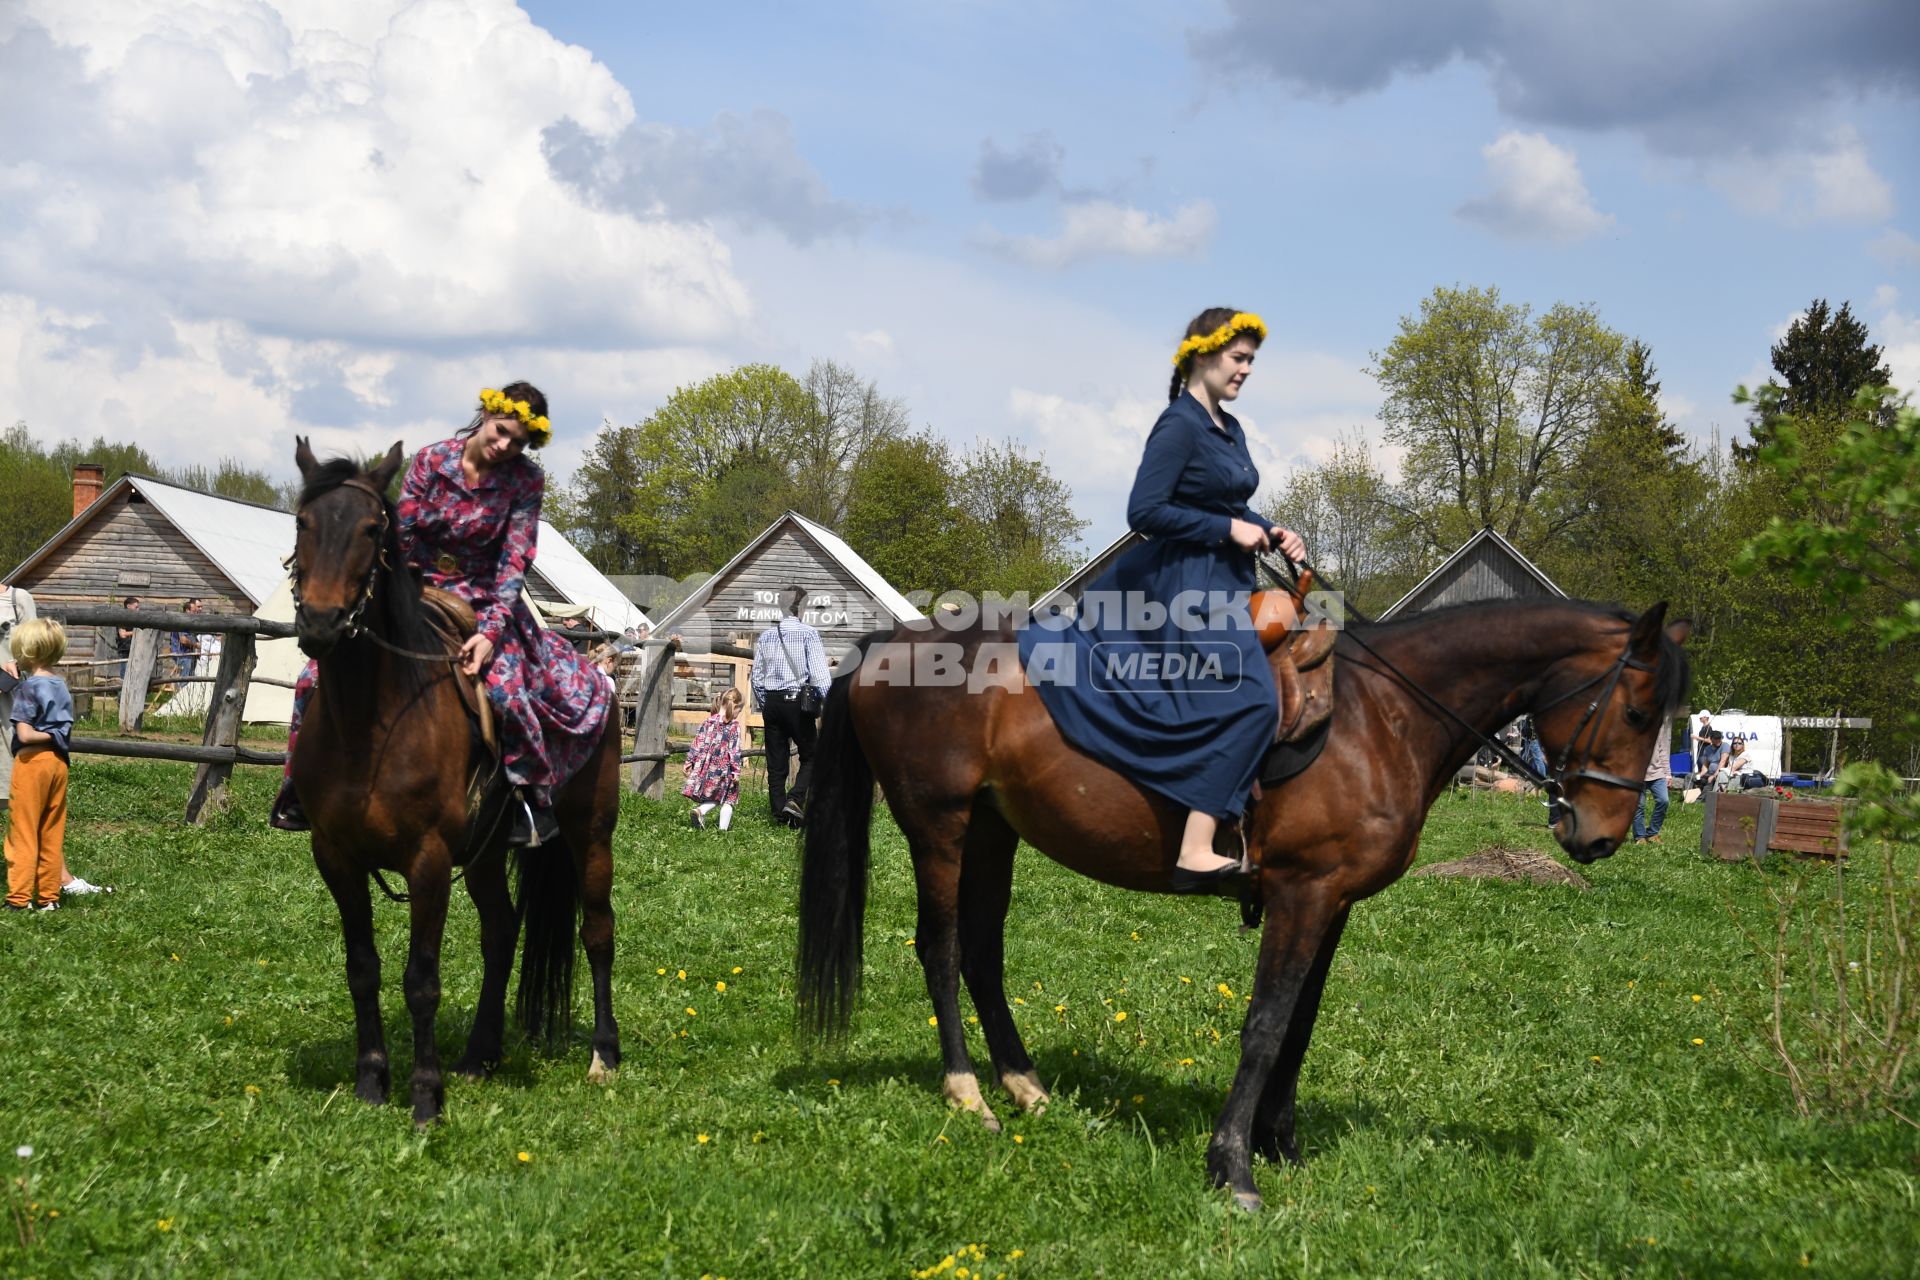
(382, 769)
(969, 772)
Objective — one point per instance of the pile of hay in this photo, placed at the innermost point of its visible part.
(1508, 864)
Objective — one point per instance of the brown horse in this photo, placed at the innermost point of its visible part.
(968, 774)
(382, 768)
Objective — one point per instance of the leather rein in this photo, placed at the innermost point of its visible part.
(1553, 784)
(354, 626)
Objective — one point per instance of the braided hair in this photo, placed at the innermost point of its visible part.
(1204, 323)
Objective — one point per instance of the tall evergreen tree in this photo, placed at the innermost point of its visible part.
(1820, 365)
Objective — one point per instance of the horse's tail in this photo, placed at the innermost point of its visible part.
(549, 914)
(833, 869)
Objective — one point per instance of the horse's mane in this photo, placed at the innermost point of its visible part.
(405, 614)
(1673, 674)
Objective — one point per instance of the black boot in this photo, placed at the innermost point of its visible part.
(532, 827)
(287, 815)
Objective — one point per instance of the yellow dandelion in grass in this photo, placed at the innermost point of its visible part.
(1596, 1057)
(1018, 1138)
(1121, 1016)
(702, 1139)
(1018, 1000)
(261, 963)
(939, 1137)
(661, 972)
(1696, 999)
(830, 1080)
(719, 986)
(1698, 1040)
(1139, 1098)
(974, 1019)
(1186, 1062)
(1059, 1008)
(1136, 935)
(174, 954)
(692, 1012)
(737, 969)
(910, 941)
(1184, 978)
(253, 1090)
(1225, 990)
(165, 1224)
(228, 1021)
(1021, 1253)
(1037, 986)
(933, 1019)
(682, 975)
(524, 1157)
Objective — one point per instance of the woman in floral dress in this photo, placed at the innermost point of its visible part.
(713, 761)
(469, 521)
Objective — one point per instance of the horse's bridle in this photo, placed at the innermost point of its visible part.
(381, 561)
(1555, 785)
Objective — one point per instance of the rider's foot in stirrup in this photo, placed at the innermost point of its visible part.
(287, 815)
(1201, 872)
(531, 827)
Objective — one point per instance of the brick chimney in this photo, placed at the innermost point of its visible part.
(87, 483)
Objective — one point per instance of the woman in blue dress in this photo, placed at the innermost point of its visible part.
(1162, 676)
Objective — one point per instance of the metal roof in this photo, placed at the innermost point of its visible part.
(828, 541)
(570, 573)
(249, 543)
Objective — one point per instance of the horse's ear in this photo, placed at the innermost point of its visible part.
(1680, 632)
(382, 475)
(1644, 640)
(303, 457)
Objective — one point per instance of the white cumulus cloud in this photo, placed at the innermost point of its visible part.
(1104, 229)
(1535, 192)
(1831, 182)
(1896, 248)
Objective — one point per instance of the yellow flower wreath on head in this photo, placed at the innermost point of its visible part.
(1205, 343)
(539, 430)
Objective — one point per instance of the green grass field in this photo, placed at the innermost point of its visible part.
(1506, 1079)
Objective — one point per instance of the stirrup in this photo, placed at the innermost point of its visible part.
(531, 827)
(286, 814)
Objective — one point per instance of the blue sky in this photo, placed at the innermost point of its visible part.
(229, 222)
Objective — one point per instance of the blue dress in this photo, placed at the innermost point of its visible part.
(1161, 675)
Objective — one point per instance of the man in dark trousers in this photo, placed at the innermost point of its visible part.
(789, 667)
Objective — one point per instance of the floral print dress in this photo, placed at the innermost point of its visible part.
(477, 543)
(713, 762)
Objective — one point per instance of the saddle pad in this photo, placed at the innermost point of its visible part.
(453, 620)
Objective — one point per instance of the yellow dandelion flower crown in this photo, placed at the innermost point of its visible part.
(1205, 343)
(539, 430)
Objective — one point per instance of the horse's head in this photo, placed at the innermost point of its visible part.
(1599, 715)
(341, 528)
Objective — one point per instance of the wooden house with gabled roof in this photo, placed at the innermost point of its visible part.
(1486, 567)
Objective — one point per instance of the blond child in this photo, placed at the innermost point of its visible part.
(40, 731)
(714, 759)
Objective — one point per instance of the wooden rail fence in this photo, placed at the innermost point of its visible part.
(650, 697)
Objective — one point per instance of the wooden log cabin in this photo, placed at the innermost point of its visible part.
(166, 543)
(846, 598)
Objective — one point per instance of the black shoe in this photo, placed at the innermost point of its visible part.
(793, 815)
(531, 827)
(287, 815)
(1219, 880)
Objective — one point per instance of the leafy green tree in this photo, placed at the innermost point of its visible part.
(1343, 508)
(1494, 407)
(903, 519)
(231, 479)
(845, 417)
(36, 496)
(1820, 365)
(1023, 517)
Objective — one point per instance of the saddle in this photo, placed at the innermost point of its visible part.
(1302, 658)
(452, 620)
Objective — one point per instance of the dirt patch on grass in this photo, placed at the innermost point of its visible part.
(1496, 863)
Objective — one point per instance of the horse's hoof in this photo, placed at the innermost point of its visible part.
(1248, 1201)
(600, 1072)
(1026, 1091)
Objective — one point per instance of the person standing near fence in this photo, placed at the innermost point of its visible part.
(39, 728)
(790, 679)
(16, 607)
(123, 640)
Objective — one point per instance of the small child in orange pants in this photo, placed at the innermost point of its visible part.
(42, 727)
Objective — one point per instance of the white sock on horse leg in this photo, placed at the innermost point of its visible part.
(726, 816)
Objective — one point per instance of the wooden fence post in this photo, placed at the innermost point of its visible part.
(137, 679)
(223, 722)
(655, 713)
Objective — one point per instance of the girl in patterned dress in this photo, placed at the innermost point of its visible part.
(713, 761)
(469, 520)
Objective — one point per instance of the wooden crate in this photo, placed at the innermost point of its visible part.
(1736, 826)
(1810, 826)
